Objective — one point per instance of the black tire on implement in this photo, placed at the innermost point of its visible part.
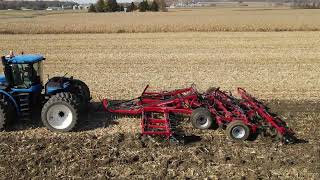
(201, 118)
(61, 106)
(238, 131)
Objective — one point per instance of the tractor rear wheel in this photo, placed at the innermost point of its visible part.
(3, 116)
(201, 118)
(68, 96)
(7, 112)
(83, 92)
(60, 113)
(238, 131)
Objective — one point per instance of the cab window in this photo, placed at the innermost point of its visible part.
(26, 75)
(22, 75)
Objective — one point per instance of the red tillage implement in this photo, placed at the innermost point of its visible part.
(240, 117)
(273, 125)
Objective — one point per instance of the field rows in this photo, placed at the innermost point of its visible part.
(271, 65)
(281, 65)
(176, 20)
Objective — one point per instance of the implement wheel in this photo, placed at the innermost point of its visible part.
(238, 131)
(60, 113)
(201, 118)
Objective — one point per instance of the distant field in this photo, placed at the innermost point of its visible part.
(176, 20)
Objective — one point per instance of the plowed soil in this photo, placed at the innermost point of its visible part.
(114, 149)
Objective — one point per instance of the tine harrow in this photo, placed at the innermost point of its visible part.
(274, 123)
(241, 118)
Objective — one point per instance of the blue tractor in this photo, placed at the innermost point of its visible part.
(22, 93)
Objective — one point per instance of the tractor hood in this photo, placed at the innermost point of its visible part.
(2, 79)
(25, 59)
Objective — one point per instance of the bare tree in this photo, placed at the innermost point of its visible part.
(162, 5)
(308, 4)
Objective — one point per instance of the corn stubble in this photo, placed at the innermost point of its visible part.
(279, 65)
(282, 67)
(176, 20)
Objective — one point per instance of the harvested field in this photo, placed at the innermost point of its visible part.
(112, 152)
(176, 20)
(280, 67)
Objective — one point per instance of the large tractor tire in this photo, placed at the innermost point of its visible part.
(83, 93)
(68, 96)
(201, 118)
(7, 112)
(61, 112)
(3, 116)
(238, 131)
(83, 89)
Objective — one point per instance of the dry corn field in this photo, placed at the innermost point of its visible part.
(279, 67)
(176, 20)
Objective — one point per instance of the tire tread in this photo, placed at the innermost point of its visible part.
(67, 97)
(232, 124)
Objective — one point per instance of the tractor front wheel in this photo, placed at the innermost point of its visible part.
(60, 114)
(238, 131)
(201, 118)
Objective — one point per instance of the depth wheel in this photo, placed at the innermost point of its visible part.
(201, 118)
(238, 131)
(60, 114)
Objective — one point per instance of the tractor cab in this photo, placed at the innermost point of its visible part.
(22, 73)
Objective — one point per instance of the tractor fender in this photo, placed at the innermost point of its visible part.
(54, 86)
(12, 100)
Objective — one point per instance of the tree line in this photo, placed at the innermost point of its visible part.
(307, 4)
(35, 5)
(113, 6)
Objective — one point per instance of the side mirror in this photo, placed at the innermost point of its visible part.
(11, 54)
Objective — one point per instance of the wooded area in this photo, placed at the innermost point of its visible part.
(308, 4)
(35, 5)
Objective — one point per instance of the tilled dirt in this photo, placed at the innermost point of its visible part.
(104, 149)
